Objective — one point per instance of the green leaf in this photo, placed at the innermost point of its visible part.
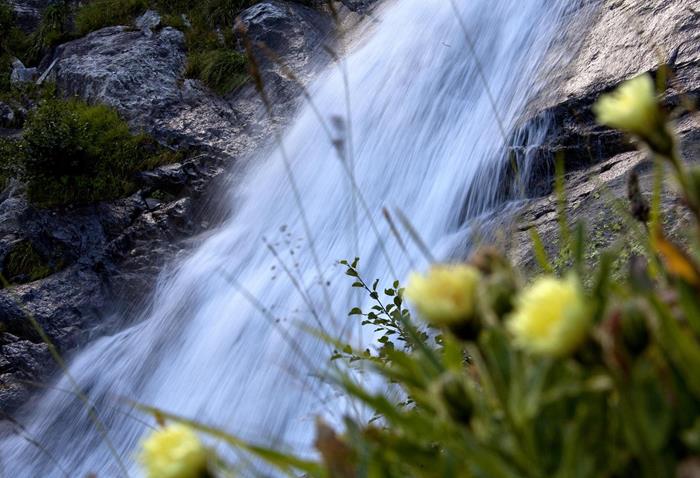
(540, 251)
(355, 311)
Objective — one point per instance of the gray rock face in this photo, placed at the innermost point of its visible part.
(20, 361)
(632, 36)
(626, 38)
(140, 73)
(136, 73)
(99, 254)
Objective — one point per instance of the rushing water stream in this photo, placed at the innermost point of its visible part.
(425, 138)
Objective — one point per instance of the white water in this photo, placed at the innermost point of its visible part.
(426, 139)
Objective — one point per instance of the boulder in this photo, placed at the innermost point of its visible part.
(136, 73)
(7, 116)
(20, 74)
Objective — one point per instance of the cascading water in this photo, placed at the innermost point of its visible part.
(425, 138)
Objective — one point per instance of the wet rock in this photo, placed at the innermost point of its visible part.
(595, 196)
(293, 36)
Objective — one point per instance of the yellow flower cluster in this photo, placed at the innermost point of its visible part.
(551, 317)
(174, 452)
(446, 295)
(634, 108)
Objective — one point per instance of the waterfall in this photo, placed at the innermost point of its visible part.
(425, 138)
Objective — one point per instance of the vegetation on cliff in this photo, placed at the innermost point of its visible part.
(75, 153)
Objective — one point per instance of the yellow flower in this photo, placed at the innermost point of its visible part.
(174, 452)
(551, 317)
(446, 295)
(634, 108)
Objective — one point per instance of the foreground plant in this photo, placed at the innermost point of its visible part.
(580, 374)
(552, 317)
(174, 452)
(447, 296)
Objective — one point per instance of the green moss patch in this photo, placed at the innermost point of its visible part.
(24, 264)
(103, 13)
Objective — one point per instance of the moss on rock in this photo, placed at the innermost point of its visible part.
(24, 264)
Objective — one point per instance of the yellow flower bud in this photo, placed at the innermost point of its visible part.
(634, 109)
(446, 295)
(551, 317)
(174, 452)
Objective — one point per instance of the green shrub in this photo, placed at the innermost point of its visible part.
(76, 153)
(53, 29)
(103, 13)
(224, 12)
(7, 21)
(221, 70)
(208, 13)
